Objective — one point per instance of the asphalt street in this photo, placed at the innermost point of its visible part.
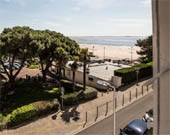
(134, 111)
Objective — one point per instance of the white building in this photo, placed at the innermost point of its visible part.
(96, 72)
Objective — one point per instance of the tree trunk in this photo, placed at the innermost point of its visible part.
(11, 82)
(73, 81)
(84, 74)
(44, 73)
(59, 68)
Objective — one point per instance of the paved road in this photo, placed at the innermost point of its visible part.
(123, 117)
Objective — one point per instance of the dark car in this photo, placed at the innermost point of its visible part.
(136, 127)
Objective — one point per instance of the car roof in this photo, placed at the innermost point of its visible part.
(139, 126)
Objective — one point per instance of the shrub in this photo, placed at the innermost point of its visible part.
(129, 74)
(72, 98)
(1, 118)
(21, 114)
(90, 93)
(43, 107)
(75, 97)
(33, 66)
(1, 121)
(29, 112)
(53, 93)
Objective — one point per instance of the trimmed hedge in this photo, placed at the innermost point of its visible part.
(90, 93)
(72, 98)
(76, 97)
(1, 121)
(33, 66)
(129, 74)
(43, 107)
(21, 114)
(29, 112)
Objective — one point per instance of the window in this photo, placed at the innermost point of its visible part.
(91, 79)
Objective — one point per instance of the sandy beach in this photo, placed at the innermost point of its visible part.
(113, 52)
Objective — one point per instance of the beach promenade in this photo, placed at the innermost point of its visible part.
(75, 118)
(113, 52)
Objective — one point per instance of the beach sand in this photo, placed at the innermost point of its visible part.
(113, 52)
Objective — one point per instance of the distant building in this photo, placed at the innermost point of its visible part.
(98, 70)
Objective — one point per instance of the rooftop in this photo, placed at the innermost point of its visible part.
(103, 70)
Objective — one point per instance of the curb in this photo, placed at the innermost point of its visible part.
(102, 118)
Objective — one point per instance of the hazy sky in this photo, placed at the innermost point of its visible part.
(80, 17)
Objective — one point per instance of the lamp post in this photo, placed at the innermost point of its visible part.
(137, 75)
(62, 93)
(131, 54)
(106, 84)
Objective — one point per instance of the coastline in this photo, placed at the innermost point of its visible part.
(112, 51)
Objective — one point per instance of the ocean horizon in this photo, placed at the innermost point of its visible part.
(107, 40)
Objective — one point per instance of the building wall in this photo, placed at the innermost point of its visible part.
(90, 80)
(161, 46)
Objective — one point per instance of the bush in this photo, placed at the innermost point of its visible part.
(21, 114)
(129, 74)
(33, 66)
(1, 121)
(43, 107)
(53, 93)
(1, 118)
(29, 112)
(72, 98)
(90, 93)
(75, 97)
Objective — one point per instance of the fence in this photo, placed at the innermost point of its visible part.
(121, 100)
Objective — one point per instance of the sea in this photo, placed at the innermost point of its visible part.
(108, 40)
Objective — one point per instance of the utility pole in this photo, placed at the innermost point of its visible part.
(93, 50)
(131, 53)
(104, 52)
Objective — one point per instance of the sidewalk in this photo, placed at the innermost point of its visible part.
(74, 118)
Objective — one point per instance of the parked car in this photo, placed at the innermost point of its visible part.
(136, 127)
(148, 117)
(17, 65)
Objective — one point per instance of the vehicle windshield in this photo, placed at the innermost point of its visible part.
(129, 131)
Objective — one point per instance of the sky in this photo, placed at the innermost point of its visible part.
(80, 17)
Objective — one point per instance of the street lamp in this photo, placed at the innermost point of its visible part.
(62, 96)
(106, 84)
(137, 75)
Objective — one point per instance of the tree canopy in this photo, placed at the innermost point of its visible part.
(23, 44)
(145, 49)
(15, 45)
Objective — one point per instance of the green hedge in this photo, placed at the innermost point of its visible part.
(42, 107)
(33, 66)
(21, 114)
(129, 74)
(72, 98)
(28, 112)
(90, 94)
(76, 97)
(1, 121)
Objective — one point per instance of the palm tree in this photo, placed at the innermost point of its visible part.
(84, 57)
(61, 59)
(74, 66)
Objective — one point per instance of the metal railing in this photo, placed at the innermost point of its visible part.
(103, 110)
